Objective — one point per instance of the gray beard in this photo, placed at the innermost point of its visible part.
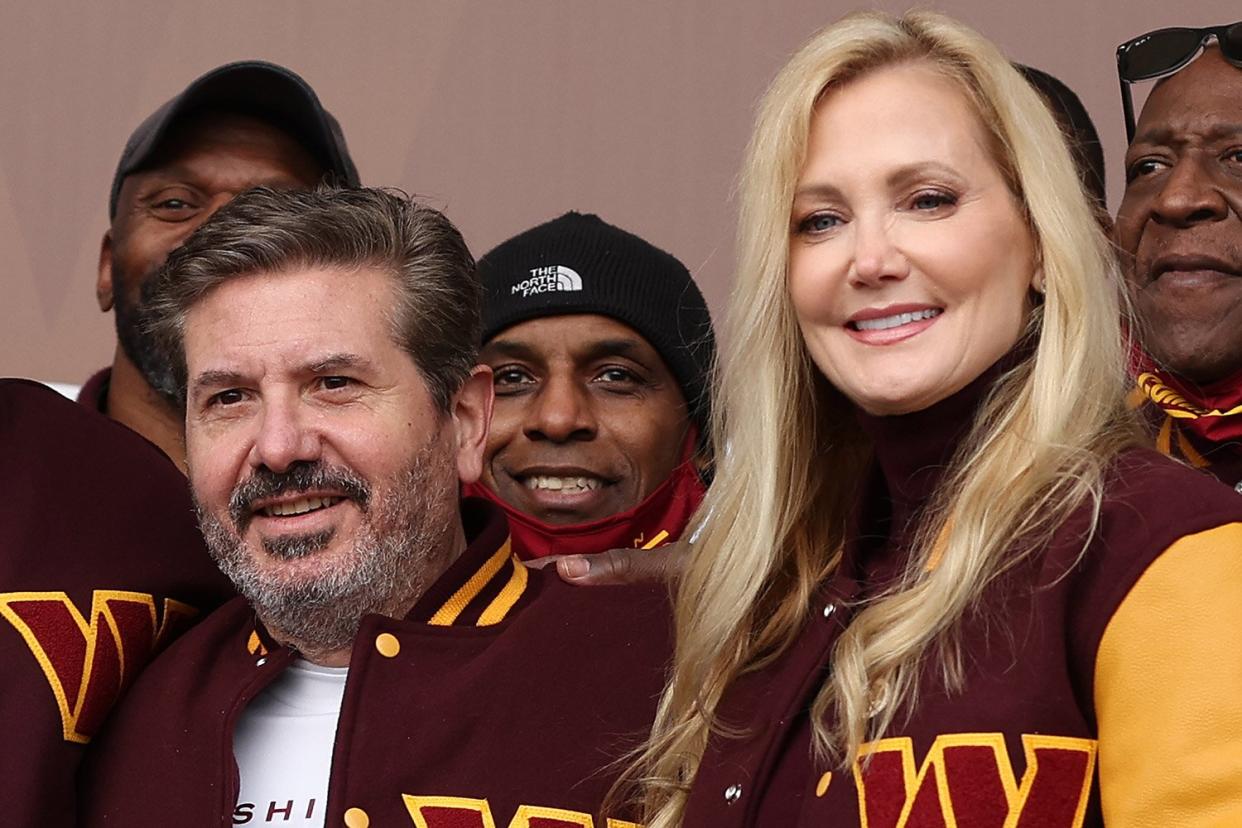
(397, 553)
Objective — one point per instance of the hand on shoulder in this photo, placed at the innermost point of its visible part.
(619, 566)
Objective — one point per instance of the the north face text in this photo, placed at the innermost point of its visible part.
(551, 279)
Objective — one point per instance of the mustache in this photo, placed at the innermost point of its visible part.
(302, 476)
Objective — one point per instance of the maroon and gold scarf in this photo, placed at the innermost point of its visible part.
(1212, 412)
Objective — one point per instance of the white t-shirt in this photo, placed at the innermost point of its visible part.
(283, 747)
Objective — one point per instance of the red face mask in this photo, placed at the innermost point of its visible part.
(659, 519)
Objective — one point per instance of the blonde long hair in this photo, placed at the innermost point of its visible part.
(775, 516)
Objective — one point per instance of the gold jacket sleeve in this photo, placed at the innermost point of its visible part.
(1168, 690)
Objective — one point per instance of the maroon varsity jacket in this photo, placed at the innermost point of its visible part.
(1100, 688)
(503, 699)
(101, 565)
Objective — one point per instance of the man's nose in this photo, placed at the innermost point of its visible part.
(876, 259)
(285, 435)
(562, 412)
(1189, 195)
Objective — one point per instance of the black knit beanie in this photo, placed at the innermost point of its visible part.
(581, 264)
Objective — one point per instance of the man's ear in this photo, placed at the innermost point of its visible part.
(472, 416)
(103, 280)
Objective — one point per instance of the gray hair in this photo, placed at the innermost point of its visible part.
(436, 315)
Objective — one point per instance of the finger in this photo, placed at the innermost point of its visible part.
(602, 569)
(544, 562)
(620, 566)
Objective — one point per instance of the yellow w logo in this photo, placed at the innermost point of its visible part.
(88, 665)
(966, 779)
(461, 812)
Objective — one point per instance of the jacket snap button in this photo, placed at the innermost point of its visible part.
(356, 818)
(829, 609)
(260, 662)
(388, 645)
(733, 793)
(1238, 487)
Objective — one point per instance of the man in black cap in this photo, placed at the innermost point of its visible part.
(600, 345)
(237, 126)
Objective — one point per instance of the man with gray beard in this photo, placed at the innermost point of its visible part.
(391, 557)
(391, 659)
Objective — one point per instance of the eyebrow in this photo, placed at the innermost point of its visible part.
(901, 175)
(215, 379)
(177, 175)
(1163, 134)
(600, 348)
(922, 169)
(511, 348)
(818, 191)
(326, 365)
(517, 349)
(336, 362)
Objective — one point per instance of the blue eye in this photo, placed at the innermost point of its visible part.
(932, 200)
(819, 223)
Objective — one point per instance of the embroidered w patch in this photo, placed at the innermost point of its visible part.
(89, 664)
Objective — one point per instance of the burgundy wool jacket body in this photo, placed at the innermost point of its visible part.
(101, 565)
(1102, 685)
(504, 698)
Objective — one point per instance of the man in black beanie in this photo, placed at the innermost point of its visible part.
(600, 344)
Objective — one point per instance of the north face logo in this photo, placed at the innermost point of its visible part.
(551, 279)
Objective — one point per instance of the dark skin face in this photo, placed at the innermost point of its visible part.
(203, 163)
(1180, 223)
(588, 420)
(206, 161)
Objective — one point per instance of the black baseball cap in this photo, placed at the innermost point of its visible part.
(255, 88)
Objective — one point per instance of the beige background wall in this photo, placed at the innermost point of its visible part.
(503, 113)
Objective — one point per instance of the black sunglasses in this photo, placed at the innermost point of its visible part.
(1164, 51)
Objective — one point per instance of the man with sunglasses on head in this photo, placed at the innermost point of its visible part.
(1180, 232)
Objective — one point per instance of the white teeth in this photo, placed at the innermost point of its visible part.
(895, 321)
(560, 484)
(300, 507)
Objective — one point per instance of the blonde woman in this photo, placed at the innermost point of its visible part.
(939, 584)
